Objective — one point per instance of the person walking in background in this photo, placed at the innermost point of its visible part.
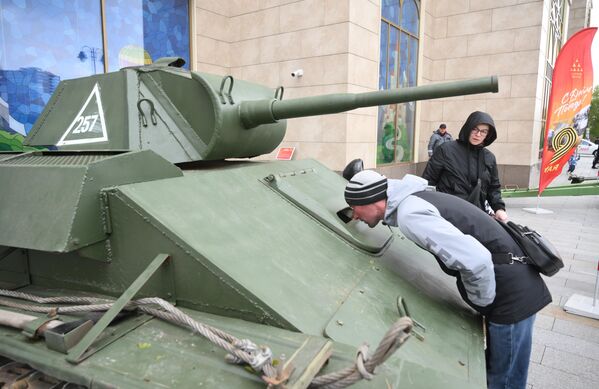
(466, 168)
(439, 137)
(571, 164)
(596, 155)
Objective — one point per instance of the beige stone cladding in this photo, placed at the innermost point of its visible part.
(579, 16)
(334, 42)
(468, 39)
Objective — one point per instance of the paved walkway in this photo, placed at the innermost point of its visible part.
(565, 351)
(583, 168)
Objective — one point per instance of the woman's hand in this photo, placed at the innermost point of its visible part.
(501, 215)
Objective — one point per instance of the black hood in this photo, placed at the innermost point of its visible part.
(476, 118)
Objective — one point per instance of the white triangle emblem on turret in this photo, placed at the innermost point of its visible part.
(88, 126)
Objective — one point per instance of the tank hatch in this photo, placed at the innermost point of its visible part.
(321, 199)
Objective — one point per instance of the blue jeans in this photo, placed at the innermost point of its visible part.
(508, 354)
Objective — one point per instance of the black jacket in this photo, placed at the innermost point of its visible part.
(456, 167)
(520, 292)
(436, 140)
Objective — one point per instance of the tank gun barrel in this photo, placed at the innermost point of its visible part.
(256, 112)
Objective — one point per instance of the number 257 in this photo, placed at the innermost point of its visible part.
(85, 124)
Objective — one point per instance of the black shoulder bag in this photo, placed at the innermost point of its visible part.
(539, 252)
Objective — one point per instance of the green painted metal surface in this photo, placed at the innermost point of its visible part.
(80, 351)
(255, 248)
(160, 355)
(241, 249)
(57, 207)
(254, 113)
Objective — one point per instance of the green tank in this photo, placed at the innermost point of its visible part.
(136, 210)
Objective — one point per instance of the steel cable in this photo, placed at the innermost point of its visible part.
(260, 358)
(396, 335)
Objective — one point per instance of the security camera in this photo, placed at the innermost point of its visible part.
(297, 73)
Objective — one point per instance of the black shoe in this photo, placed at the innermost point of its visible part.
(594, 167)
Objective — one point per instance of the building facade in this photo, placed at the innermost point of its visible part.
(341, 46)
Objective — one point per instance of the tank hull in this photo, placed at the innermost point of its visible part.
(261, 245)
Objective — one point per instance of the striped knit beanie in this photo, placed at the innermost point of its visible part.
(366, 187)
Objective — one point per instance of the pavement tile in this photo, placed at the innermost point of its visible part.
(582, 251)
(559, 313)
(585, 257)
(537, 351)
(585, 287)
(561, 291)
(565, 242)
(585, 368)
(556, 281)
(589, 245)
(562, 301)
(584, 235)
(582, 266)
(544, 321)
(566, 343)
(565, 254)
(577, 330)
(583, 276)
(546, 377)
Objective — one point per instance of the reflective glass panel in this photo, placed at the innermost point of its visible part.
(393, 64)
(409, 17)
(399, 62)
(385, 152)
(45, 41)
(141, 31)
(404, 131)
(383, 62)
(42, 43)
(413, 66)
(390, 10)
(404, 66)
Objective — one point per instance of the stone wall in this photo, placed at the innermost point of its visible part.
(468, 39)
(335, 42)
(579, 16)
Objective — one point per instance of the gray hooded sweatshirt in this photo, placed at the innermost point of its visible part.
(421, 222)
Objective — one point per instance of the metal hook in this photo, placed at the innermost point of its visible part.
(228, 93)
(280, 91)
(144, 122)
(402, 309)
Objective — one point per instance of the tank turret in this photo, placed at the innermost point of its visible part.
(189, 116)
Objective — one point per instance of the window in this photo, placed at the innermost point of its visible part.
(138, 32)
(399, 60)
(44, 42)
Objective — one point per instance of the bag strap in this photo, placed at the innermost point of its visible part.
(508, 259)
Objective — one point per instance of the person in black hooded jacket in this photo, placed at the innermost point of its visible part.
(466, 168)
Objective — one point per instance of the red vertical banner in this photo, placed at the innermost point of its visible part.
(569, 104)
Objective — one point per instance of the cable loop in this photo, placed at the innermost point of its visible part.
(239, 351)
